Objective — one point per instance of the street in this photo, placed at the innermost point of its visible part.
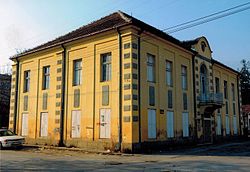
(226, 157)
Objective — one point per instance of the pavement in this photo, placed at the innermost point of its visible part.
(225, 157)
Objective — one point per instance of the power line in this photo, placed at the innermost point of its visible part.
(207, 19)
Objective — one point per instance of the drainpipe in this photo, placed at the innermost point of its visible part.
(120, 89)
(139, 82)
(16, 96)
(61, 142)
(93, 129)
(238, 91)
(194, 95)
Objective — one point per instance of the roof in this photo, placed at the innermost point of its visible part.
(112, 21)
(225, 66)
(246, 108)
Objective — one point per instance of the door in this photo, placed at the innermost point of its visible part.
(185, 124)
(207, 130)
(44, 125)
(235, 125)
(170, 124)
(218, 128)
(227, 125)
(151, 124)
(76, 124)
(25, 128)
(105, 123)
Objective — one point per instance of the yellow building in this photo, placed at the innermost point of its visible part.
(121, 84)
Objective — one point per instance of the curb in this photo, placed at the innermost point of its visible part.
(73, 149)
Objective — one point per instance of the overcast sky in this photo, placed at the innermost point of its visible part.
(27, 23)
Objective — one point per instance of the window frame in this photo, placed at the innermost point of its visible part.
(77, 69)
(107, 65)
(26, 87)
(184, 78)
(151, 65)
(46, 78)
(169, 72)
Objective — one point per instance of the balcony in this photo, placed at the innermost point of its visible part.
(211, 99)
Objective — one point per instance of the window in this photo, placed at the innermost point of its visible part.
(225, 90)
(226, 107)
(234, 110)
(233, 91)
(105, 95)
(76, 98)
(217, 85)
(170, 99)
(151, 96)
(151, 123)
(106, 67)
(185, 105)
(26, 87)
(184, 77)
(169, 69)
(46, 77)
(151, 68)
(77, 72)
(25, 103)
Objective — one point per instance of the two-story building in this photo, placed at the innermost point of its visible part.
(119, 83)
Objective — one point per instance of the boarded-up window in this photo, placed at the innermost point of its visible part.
(105, 95)
(151, 96)
(218, 129)
(76, 98)
(151, 124)
(235, 124)
(227, 125)
(185, 106)
(44, 125)
(25, 128)
(76, 124)
(45, 101)
(170, 124)
(25, 103)
(185, 124)
(105, 115)
(170, 99)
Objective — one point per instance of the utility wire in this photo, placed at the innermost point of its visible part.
(207, 19)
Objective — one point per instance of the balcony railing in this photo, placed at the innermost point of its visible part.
(216, 98)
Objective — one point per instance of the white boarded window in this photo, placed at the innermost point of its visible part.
(235, 125)
(227, 125)
(185, 124)
(76, 124)
(169, 69)
(151, 124)
(25, 125)
(150, 68)
(44, 125)
(105, 115)
(170, 124)
(218, 128)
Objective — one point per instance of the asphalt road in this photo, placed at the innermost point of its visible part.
(227, 157)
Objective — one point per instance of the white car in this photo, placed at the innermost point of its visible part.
(9, 139)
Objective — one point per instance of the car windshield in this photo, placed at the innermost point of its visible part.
(6, 133)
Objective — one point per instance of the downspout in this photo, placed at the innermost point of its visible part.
(93, 133)
(194, 95)
(139, 83)
(120, 89)
(238, 91)
(61, 141)
(16, 96)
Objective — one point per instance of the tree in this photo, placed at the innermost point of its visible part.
(245, 81)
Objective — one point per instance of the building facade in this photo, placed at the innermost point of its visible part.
(119, 84)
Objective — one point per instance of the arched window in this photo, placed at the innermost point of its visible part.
(203, 46)
(203, 80)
